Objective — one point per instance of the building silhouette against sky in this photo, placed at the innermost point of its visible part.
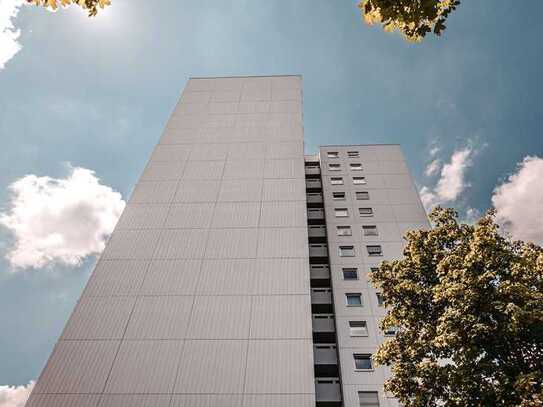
(237, 274)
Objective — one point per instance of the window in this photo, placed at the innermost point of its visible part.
(353, 154)
(362, 195)
(370, 230)
(359, 180)
(365, 211)
(358, 328)
(380, 300)
(392, 331)
(334, 167)
(336, 181)
(338, 196)
(362, 361)
(341, 212)
(346, 251)
(350, 273)
(375, 250)
(332, 154)
(356, 167)
(343, 231)
(368, 398)
(374, 269)
(354, 299)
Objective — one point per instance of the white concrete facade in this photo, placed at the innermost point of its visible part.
(202, 294)
(391, 206)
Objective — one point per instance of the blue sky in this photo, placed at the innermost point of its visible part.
(96, 93)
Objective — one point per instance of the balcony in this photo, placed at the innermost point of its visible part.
(312, 170)
(323, 323)
(314, 198)
(313, 184)
(318, 250)
(317, 231)
(325, 354)
(321, 296)
(315, 213)
(319, 271)
(328, 389)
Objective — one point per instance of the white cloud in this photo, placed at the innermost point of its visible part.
(15, 396)
(519, 201)
(451, 181)
(9, 35)
(432, 168)
(59, 220)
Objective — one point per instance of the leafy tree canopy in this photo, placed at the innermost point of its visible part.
(468, 306)
(90, 5)
(414, 18)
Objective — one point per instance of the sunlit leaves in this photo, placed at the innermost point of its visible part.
(468, 303)
(91, 6)
(413, 18)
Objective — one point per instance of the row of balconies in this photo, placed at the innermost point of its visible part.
(327, 383)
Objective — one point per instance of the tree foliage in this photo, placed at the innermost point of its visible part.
(89, 5)
(468, 306)
(414, 18)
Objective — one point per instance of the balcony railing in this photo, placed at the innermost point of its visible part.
(325, 354)
(328, 389)
(321, 296)
(314, 198)
(319, 271)
(315, 213)
(312, 170)
(313, 183)
(323, 323)
(318, 250)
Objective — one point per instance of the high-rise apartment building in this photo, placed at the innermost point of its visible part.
(237, 274)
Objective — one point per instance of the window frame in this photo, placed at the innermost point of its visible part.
(341, 211)
(364, 331)
(334, 167)
(343, 249)
(346, 228)
(354, 295)
(372, 228)
(368, 210)
(359, 181)
(373, 402)
(358, 194)
(353, 154)
(336, 181)
(355, 166)
(350, 269)
(363, 357)
(339, 198)
(374, 254)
